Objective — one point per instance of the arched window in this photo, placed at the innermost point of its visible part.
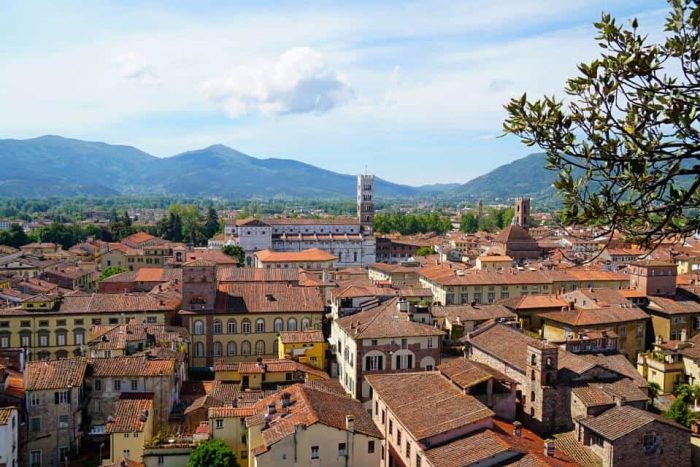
(260, 348)
(291, 324)
(260, 325)
(275, 348)
(61, 354)
(231, 348)
(548, 362)
(305, 324)
(245, 348)
(279, 325)
(218, 349)
(245, 327)
(218, 327)
(231, 326)
(198, 349)
(199, 327)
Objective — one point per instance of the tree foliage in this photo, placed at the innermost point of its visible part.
(14, 236)
(626, 141)
(680, 410)
(212, 453)
(492, 220)
(235, 251)
(109, 272)
(408, 224)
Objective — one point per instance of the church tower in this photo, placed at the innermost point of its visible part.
(539, 398)
(365, 202)
(522, 212)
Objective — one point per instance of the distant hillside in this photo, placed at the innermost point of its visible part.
(52, 165)
(523, 177)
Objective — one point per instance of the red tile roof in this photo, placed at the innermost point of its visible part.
(310, 255)
(301, 337)
(131, 366)
(130, 413)
(256, 297)
(54, 374)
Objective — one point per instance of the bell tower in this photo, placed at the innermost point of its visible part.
(521, 216)
(365, 203)
(198, 285)
(539, 398)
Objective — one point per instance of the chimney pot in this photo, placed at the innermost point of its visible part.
(517, 429)
(549, 447)
(350, 422)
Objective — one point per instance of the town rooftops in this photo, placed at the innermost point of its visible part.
(302, 337)
(131, 366)
(491, 338)
(138, 238)
(426, 403)
(623, 420)
(471, 313)
(597, 316)
(384, 321)
(275, 221)
(469, 450)
(236, 274)
(261, 297)
(130, 413)
(594, 394)
(534, 302)
(311, 255)
(147, 275)
(54, 374)
(78, 303)
(677, 305)
(467, 373)
(305, 406)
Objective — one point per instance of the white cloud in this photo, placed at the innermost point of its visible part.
(134, 67)
(298, 82)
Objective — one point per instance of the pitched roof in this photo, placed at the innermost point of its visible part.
(300, 337)
(468, 450)
(5, 414)
(54, 374)
(529, 302)
(432, 406)
(130, 413)
(513, 233)
(131, 366)
(236, 274)
(384, 321)
(491, 339)
(102, 303)
(258, 297)
(467, 373)
(623, 420)
(310, 255)
(597, 316)
(677, 305)
(471, 313)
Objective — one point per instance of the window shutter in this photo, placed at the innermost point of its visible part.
(367, 363)
(69, 395)
(55, 397)
(380, 363)
(410, 361)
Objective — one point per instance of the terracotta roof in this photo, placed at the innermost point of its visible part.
(236, 274)
(54, 374)
(677, 305)
(131, 366)
(312, 254)
(256, 297)
(309, 406)
(384, 321)
(469, 450)
(102, 303)
(311, 221)
(623, 420)
(568, 444)
(597, 316)
(471, 313)
(300, 337)
(199, 263)
(138, 238)
(355, 290)
(467, 373)
(147, 275)
(128, 413)
(490, 338)
(529, 302)
(432, 406)
(228, 412)
(5, 414)
(607, 393)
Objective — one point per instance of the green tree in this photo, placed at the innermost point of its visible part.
(14, 236)
(212, 453)
(626, 143)
(679, 411)
(211, 224)
(235, 251)
(469, 223)
(654, 389)
(424, 251)
(109, 272)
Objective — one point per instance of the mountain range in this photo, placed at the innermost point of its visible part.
(57, 166)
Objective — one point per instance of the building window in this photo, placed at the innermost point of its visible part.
(98, 385)
(199, 349)
(218, 327)
(398, 437)
(61, 339)
(218, 349)
(245, 326)
(231, 348)
(35, 458)
(25, 340)
(62, 397)
(430, 342)
(245, 348)
(279, 325)
(36, 424)
(370, 447)
(117, 385)
(43, 340)
(34, 399)
(374, 363)
(391, 427)
(408, 450)
(305, 324)
(314, 452)
(532, 396)
(79, 337)
(219, 423)
(199, 327)
(291, 324)
(260, 348)
(63, 421)
(342, 449)
(151, 319)
(231, 326)
(134, 385)
(260, 325)
(418, 460)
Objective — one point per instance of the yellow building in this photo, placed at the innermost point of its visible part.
(307, 347)
(673, 315)
(493, 262)
(240, 321)
(54, 326)
(461, 286)
(663, 365)
(228, 424)
(130, 428)
(687, 263)
(266, 373)
(313, 258)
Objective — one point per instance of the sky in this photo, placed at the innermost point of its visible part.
(410, 91)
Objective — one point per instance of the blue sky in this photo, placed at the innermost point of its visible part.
(411, 90)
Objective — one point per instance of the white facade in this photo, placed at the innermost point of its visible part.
(8, 438)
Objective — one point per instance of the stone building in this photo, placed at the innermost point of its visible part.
(521, 215)
(514, 241)
(380, 340)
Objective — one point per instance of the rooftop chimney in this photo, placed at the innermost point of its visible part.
(549, 447)
(350, 422)
(402, 305)
(517, 429)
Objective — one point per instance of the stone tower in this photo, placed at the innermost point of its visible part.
(365, 202)
(522, 212)
(199, 285)
(540, 395)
